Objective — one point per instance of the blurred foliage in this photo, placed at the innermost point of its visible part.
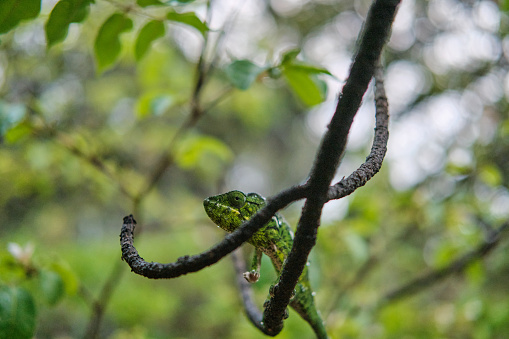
(93, 94)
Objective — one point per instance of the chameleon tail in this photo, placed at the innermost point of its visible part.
(319, 329)
(304, 304)
(316, 322)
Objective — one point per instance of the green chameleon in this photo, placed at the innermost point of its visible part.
(275, 239)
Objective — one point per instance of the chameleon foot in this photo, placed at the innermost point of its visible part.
(251, 276)
(273, 288)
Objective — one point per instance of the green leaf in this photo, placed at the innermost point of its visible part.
(490, 175)
(289, 59)
(504, 5)
(196, 148)
(504, 128)
(10, 115)
(12, 12)
(63, 14)
(51, 286)
(18, 132)
(107, 44)
(290, 56)
(305, 68)
(153, 103)
(475, 273)
(146, 3)
(308, 88)
(69, 278)
(302, 78)
(274, 72)
(190, 19)
(242, 73)
(17, 313)
(150, 32)
(13, 124)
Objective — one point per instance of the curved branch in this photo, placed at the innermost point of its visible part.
(316, 190)
(375, 35)
(188, 264)
(374, 160)
(343, 188)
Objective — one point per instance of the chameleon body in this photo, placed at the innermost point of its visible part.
(275, 239)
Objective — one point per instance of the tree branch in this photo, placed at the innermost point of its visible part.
(99, 305)
(376, 156)
(458, 265)
(253, 313)
(344, 187)
(317, 188)
(374, 37)
(188, 264)
(64, 140)
(372, 262)
(166, 159)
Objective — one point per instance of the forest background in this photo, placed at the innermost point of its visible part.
(147, 107)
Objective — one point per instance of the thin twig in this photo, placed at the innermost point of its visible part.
(252, 312)
(219, 97)
(66, 142)
(456, 266)
(99, 306)
(367, 267)
(166, 159)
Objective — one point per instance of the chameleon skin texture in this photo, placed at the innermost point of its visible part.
(275, 239)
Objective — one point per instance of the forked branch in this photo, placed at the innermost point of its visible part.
(376, 33)
(317, 190)
(346, 186)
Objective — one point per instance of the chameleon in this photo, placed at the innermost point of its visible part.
(275, 239)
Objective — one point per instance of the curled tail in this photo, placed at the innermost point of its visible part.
(304, 304)
(316, 323)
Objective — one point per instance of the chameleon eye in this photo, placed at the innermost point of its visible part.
(237, 199)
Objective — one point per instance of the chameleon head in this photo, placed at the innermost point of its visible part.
(231, 209)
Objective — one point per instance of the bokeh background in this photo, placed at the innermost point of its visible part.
(80, 142)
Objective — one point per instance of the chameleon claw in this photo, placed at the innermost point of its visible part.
(251, 276)
(271, 290)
